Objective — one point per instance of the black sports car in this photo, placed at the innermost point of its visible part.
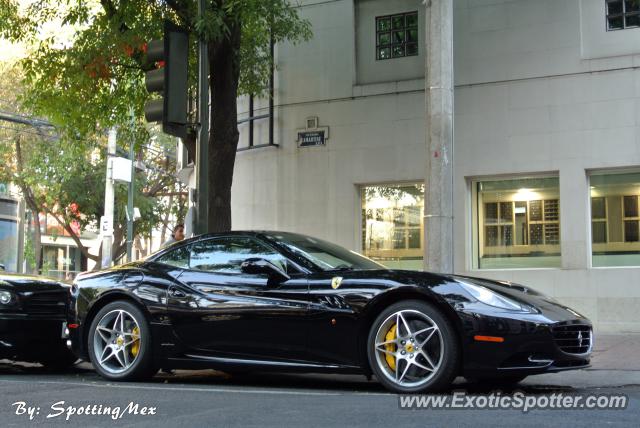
(33, 315)
(244, 301)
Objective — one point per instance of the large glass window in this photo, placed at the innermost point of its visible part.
(517, 223)
(615, 219)
(8, 244)
(392, 224)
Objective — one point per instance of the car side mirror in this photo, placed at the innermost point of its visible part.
(254, 266)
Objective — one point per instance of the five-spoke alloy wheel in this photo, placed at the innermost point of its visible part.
(413, 348)
(119, 342)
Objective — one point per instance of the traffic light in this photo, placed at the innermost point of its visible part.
(171, 56)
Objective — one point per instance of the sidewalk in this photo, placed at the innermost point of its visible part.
(615, 362)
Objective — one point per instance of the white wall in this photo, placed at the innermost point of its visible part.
(539, 89)
(530, 100)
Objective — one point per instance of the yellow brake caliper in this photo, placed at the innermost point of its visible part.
(391, 347)
(135, 347)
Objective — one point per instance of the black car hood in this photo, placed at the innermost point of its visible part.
(30, 282)
(502, 287)
(517, 292)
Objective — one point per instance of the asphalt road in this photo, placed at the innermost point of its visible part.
(212, 399)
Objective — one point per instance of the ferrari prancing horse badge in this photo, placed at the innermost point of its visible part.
(335, 282)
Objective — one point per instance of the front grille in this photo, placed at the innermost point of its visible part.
(52, 303)
(573, 339)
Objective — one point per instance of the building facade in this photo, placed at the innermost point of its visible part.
(546, 137)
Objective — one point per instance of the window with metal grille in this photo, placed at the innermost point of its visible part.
(622, 14)
(397, 35)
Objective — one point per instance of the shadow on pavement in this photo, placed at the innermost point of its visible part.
(310, 382)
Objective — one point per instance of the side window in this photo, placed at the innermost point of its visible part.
(225, 255)
(178, 258)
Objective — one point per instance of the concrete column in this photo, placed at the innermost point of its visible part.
(575, 221)
(438, 219)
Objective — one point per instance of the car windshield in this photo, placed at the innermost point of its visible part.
(323, 254)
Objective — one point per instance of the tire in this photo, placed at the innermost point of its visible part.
(507, 380)
(401, 362)
(60, 360)
(127, 362)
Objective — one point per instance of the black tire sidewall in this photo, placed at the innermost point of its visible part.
(450, 360)
(142, 367)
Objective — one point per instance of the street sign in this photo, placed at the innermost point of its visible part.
(106, 226)
(312, 135)
(311, 138)
(120, 169)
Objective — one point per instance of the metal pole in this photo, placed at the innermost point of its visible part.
(271, 69)
(251, 120)
(107, 239)
(202, 148)
(130, 204)
(438, 219)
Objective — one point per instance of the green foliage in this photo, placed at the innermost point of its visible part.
(66, 176)
(88, 75)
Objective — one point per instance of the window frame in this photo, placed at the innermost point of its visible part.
(604, 219)
(406, 228)
(405, 43)
(476, 228)
(622, 15)
(631, 219)
(618, 247)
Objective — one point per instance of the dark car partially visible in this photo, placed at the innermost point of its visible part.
(33, 314)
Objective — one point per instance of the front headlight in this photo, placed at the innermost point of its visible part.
(6, 297)
(491, 298)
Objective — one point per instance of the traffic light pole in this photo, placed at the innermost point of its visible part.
(202, 148)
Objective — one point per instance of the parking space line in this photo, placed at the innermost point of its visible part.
(192, 389)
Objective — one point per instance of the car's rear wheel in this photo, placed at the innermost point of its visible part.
(119, 343)
(412, 348)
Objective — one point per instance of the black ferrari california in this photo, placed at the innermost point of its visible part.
(276, 301)
(33, 315)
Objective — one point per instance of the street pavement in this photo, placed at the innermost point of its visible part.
(213, 399)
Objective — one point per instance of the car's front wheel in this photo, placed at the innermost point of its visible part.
(412, 348)
(119, 343)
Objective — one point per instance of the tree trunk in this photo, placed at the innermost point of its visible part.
(224, 71)
(118, 248)
(37, 237)
(31, 202)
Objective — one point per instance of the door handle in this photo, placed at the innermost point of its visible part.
(174, 292)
